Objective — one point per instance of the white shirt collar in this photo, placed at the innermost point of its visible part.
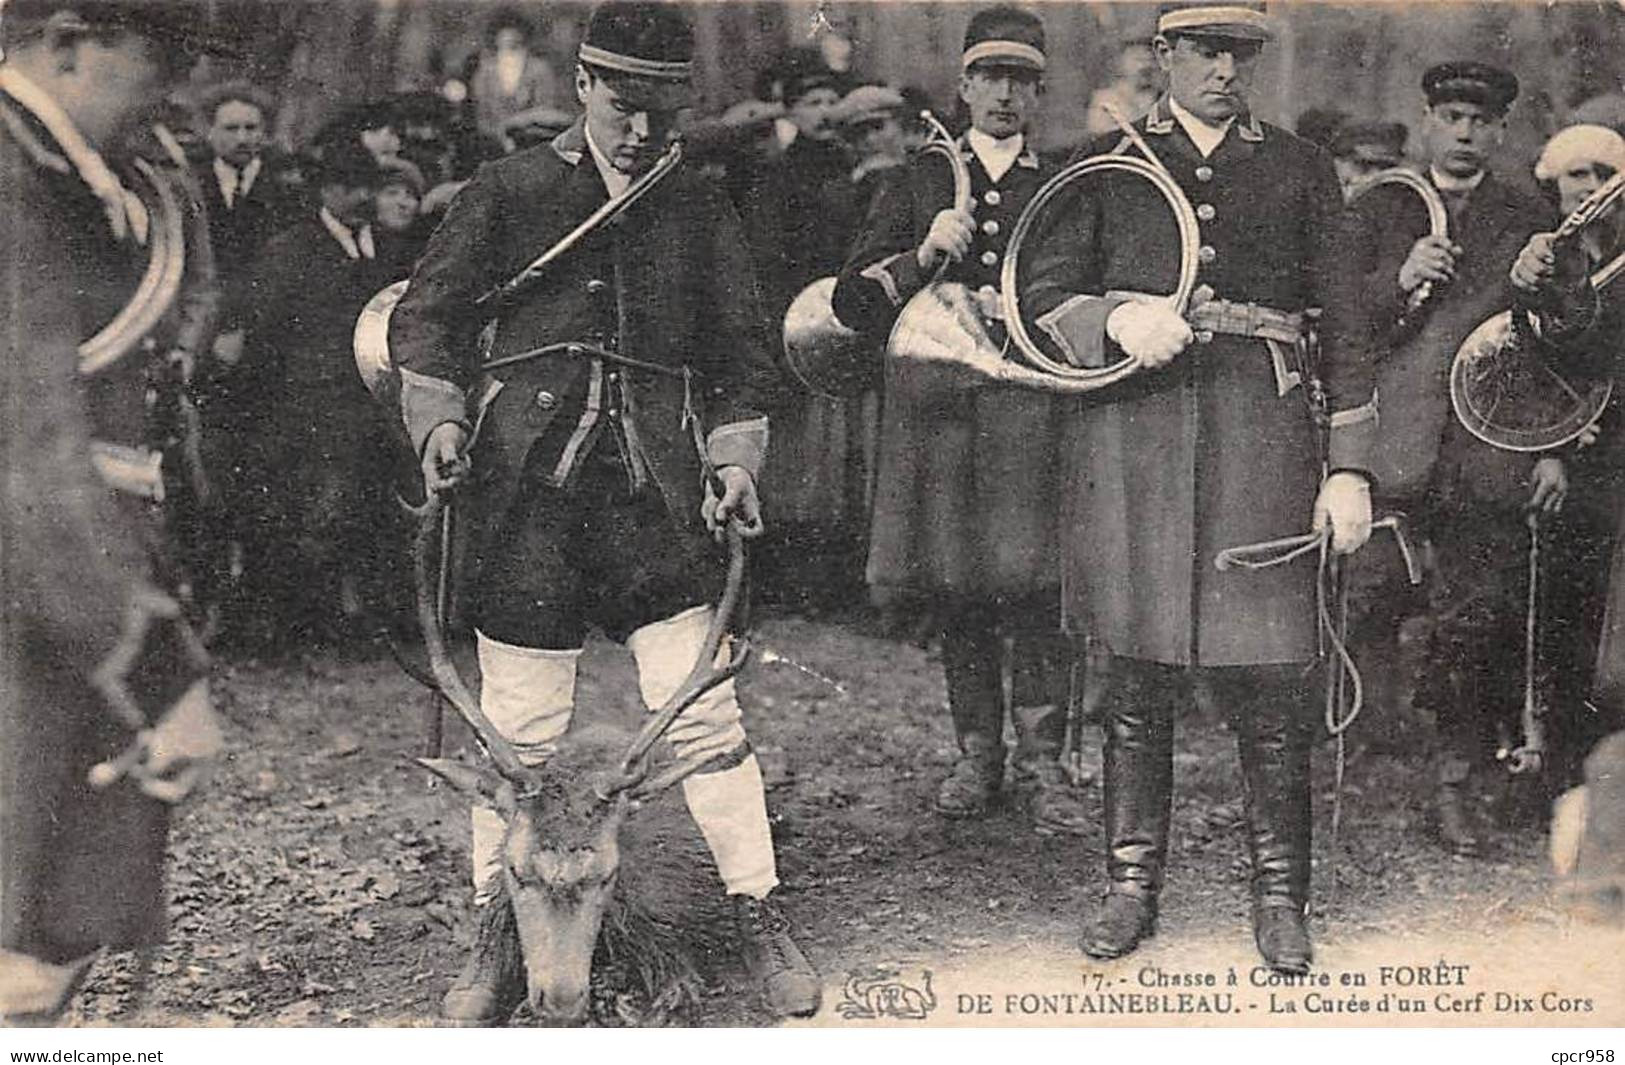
(614, 181)
(235, 183)
(357, 245)
(510, 71)
(1205, 135)
(1446, 183)
(997, 155)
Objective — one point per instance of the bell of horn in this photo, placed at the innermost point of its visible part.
(370, 341)
(825, 355)
(943, 325)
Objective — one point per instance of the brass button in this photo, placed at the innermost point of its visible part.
(597, 286)
(1206, 253)
(991, 197)
(1205, 212)
(1204, 173)
(990, 258)
(990, 227)
(546, 400)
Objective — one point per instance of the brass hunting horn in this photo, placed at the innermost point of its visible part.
(1438, 219)
(947, 323)
(825, 355)
(1503, 389)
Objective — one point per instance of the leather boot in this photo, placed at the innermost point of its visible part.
(1138, 771)
(492, 984)
(1055, 804)
(970, 663)
(1270, 710)
(789, 983)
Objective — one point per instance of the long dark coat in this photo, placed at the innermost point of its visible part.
(79, 869)
(801, 214)
(1217, 449)
(1421, 446)
(331, 439)
(967, 494)
(673, 276)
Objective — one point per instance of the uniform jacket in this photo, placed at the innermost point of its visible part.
(79, 868)
(670, 282)
(1219, 448)
(1421, 445)
(967, 497)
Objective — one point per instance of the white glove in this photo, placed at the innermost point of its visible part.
(1151, 332)
(180, 747)
(1345, 502)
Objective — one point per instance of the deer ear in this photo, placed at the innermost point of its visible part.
(479, 784)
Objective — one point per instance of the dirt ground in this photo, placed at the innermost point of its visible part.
(321, 880)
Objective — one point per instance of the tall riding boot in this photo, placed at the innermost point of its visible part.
(1270, 711)
(1139, 773)
(970, 661)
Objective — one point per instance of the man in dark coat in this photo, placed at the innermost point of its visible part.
(331, 549)
(1573, 288)
(801, 212)
(586, 478)
(96, 661)
(1211, 445)
(1467, 497)
(966, 501)
(247, 204)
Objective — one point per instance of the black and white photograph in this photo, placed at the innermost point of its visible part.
(811, 514)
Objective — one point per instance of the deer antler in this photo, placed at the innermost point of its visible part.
(450, 682)
(702, 678)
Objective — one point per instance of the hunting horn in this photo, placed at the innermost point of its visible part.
(1504, 391)
(947, 323)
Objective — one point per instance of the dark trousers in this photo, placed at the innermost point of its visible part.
(596, 553)
(1041, 660)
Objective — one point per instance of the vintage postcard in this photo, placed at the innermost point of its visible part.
(822, 513)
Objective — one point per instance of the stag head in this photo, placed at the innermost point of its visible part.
(561, 849)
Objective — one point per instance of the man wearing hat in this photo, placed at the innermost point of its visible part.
(801, 211)
(325, 432)
(1467, 497)
(97, 661)
(1584, 323)
(966, 502)
(586, 485)
(1213, 444)
(1361, 149)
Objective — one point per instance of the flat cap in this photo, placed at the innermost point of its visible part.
(1381, 143)
(642, 38)
(1472, 82)
(1005, 35)
(1241, 22)
(1578, 145)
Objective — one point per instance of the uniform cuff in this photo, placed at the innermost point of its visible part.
(428, 402)
(899, 276)
(742, 444)
(1353, 435)
(1078, 328)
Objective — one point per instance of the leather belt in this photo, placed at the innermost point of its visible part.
(1247, 320)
